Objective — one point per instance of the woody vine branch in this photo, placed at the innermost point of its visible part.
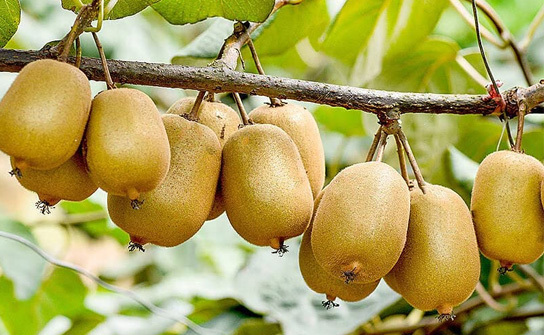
(221, 76)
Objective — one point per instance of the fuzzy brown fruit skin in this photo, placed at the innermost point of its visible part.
(320, 281)
(267, 194)
(360, 226)
(69, 181)
(175, 211)
(127, 149)
(44, 113)
(440, 264)
(506, 208)
(220, 118)
(300, 125)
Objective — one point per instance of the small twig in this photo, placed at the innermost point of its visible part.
(273, 101)
(84, 18)
(245, 119)
(402, 161)
(128, 293)
(488, 299)
(533, 276)
(415, 167)
(78, 52)
(480, 45)
(470, 70)
(469, 20)
(104, 60)
(381, 147)
(374, 145)
(195, 110)
(521, 122)
(526, 41)
(496, 90)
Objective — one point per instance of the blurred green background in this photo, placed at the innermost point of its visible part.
(216, 279)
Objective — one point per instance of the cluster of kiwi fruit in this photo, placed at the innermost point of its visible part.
(166, 175)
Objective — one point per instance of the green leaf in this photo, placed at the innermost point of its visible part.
(533, 143)
(431, 67)
(479, 136)
(364, 32)
(10, 16)
(124, 8)
(121, 8)
(207, 44)
(62, 293)
(18, 262)
(337, 119)
(291, 24)
(191, 11)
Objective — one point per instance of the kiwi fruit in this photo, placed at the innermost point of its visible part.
(507, 209)
(178, 207)
(300, 125)
(43, 114)
(220, 118)
(69, 181)
(126, 145)
(360, 226)
(440, 264)
(320, 281)
(267, 194)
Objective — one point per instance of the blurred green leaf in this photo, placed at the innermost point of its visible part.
(274, 286)
(479, 136)
(364, 32)
(429, 67)
(257, 327)
(191, 11)
(20, 264)
(84, 212)
(337, 119)
(62, 293)
(10, 16)
(533, 143)
(463, 168)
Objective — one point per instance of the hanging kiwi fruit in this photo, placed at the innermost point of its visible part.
(43, 115)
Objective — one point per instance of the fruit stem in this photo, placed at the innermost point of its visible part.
(381, 147)
(374, 145)
(195, 110)
(107, 75)
(16, 172)
(521, 123)
(402, 161)
(245, 119)
(84, 19)
(415, 167)
(274, 102)
(78, 53)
